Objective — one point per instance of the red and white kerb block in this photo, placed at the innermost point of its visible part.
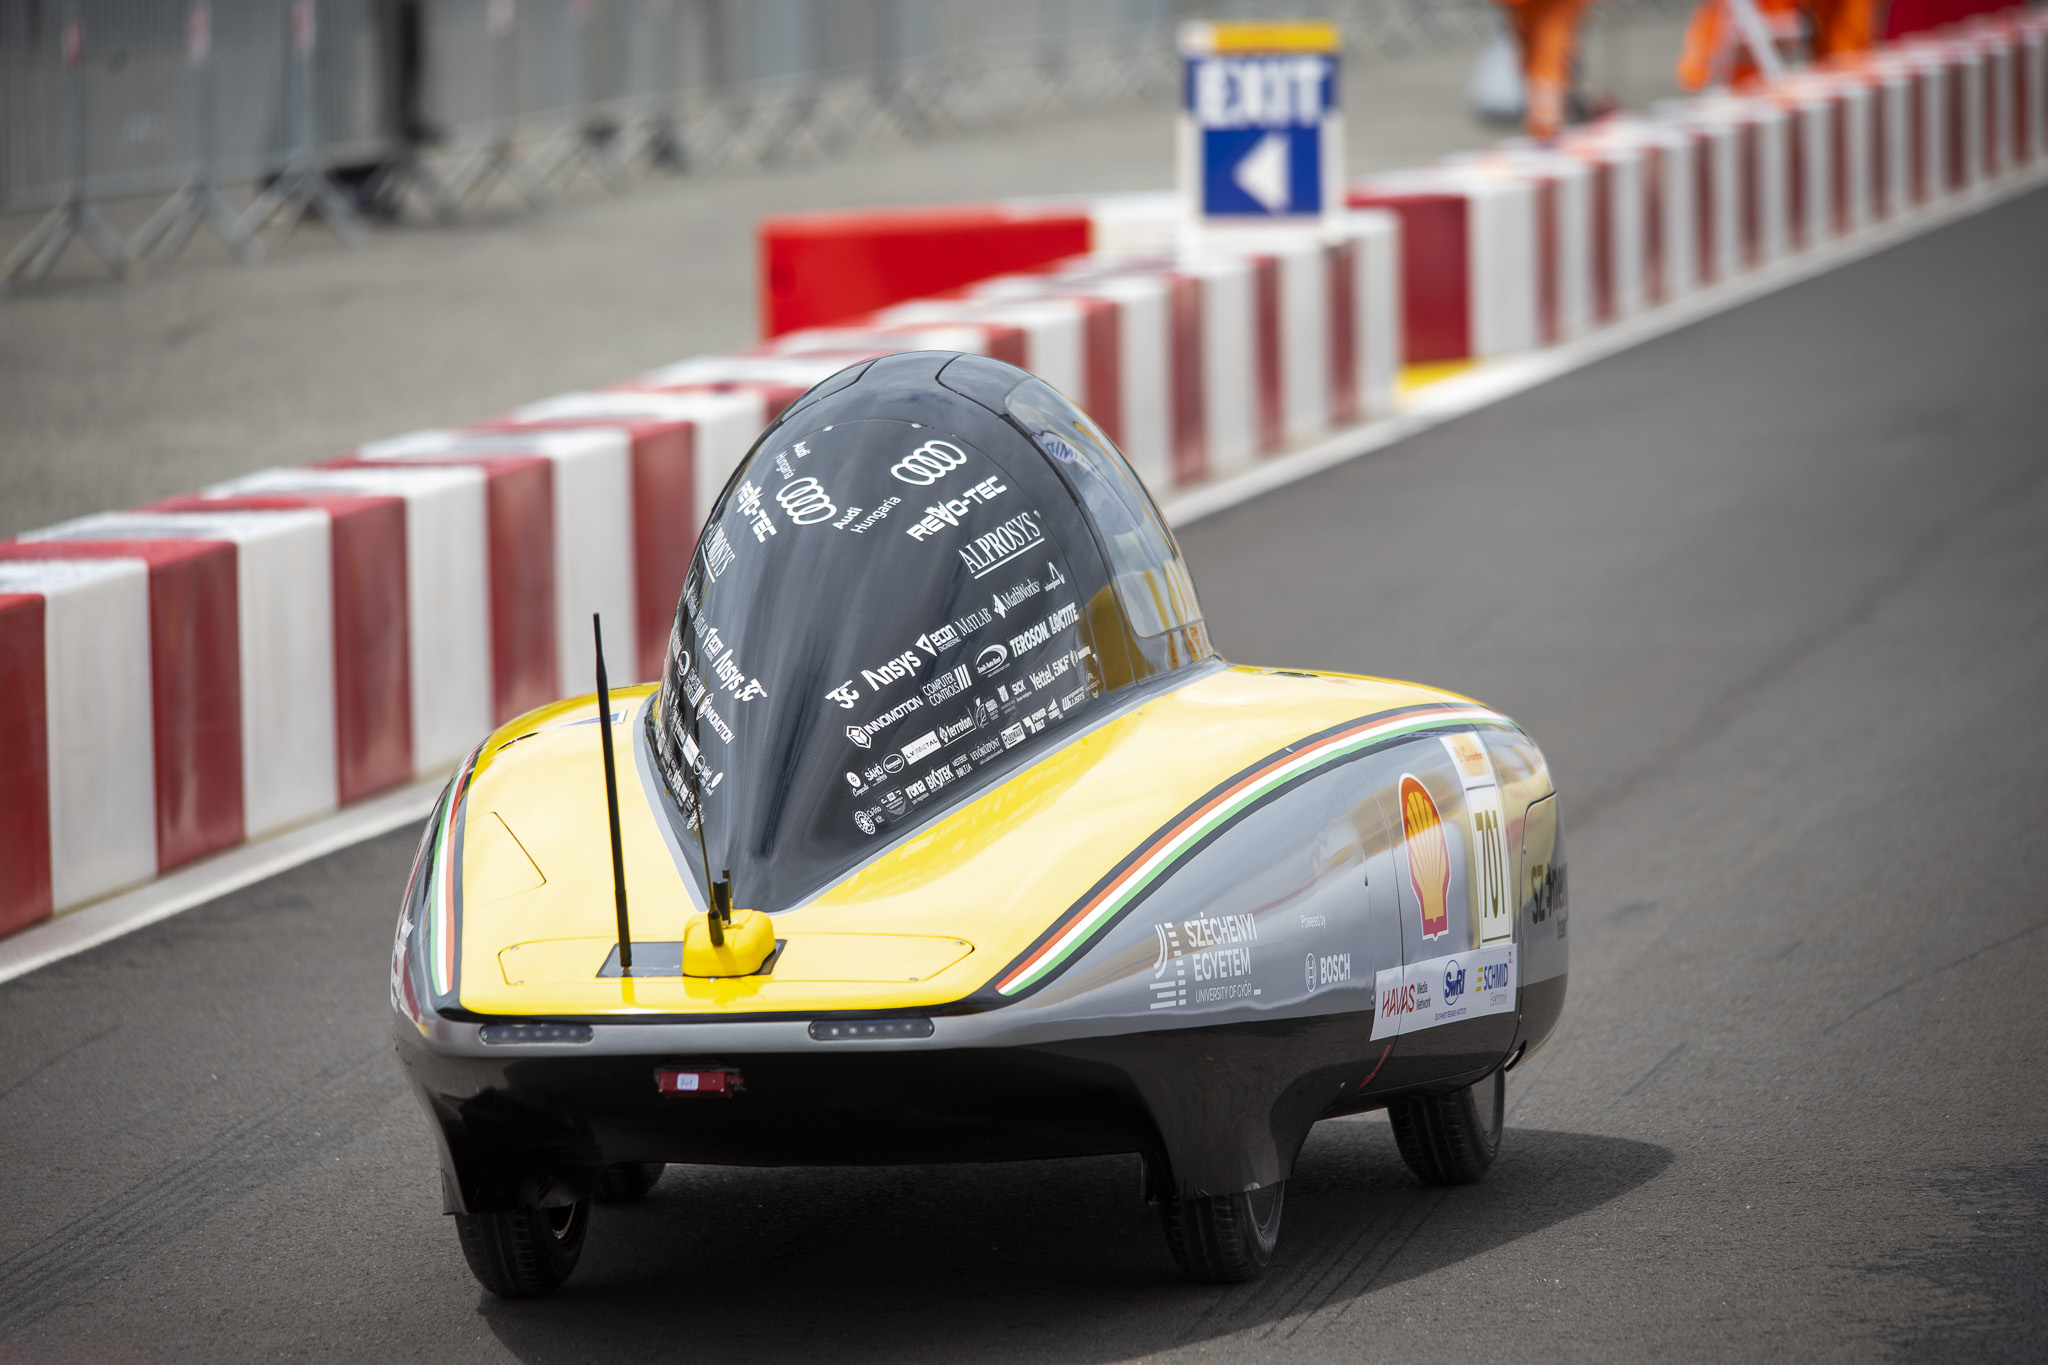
(2029, 37)
(1126, 353)
(1069, 343)
(1714, 190)
(1997, 68)
(1927, 120)
(172, 678)
(1620, 215)
(561, 548)
(1376, 255)
(1468, 259)
(869, 339)
(778, 380)
(682, 448)
(1563, 223)
(1762, 174)
(1816, 192)
(438, 554)
(1224, 353)
(245, 732)
(1170, 320)
(1879, 137)
(1669, 180)
(78, 753)
(1967, 97)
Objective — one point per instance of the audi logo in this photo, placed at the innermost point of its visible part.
(929, 463)
(806, 502)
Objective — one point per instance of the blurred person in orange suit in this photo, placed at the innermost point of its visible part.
(1546, 31)
(1714, 49)
(1842, 28)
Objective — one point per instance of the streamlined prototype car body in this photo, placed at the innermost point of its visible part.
(946, 836)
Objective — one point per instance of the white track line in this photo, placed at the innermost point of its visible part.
(1434, 405)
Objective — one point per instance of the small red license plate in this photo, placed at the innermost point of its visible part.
(718, 1081)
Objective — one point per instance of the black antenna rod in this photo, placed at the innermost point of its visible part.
(611, 798)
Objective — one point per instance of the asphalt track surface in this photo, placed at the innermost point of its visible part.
(1772, 592)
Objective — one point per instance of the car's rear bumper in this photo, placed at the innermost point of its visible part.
(1221, 1108)
(526, 1130)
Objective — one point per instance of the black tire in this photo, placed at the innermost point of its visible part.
(1450, 1139)
(1225, 1238)
(526, 1253)
(628, 1182)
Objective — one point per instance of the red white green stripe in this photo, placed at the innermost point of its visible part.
(1172, 844)
(440, 895)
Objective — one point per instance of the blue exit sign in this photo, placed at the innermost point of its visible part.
(1260, 127)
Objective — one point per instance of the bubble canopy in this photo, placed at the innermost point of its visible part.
(929, 573)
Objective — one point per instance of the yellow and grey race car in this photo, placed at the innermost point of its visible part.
(947, 837)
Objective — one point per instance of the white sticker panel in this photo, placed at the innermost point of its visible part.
(1493, 907)
(1443, 990)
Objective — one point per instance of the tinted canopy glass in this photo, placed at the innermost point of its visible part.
(1151, 581)
(903, 595)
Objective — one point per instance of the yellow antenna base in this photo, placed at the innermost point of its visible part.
(749, 939)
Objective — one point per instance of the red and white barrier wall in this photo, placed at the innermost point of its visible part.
(77, 711)
(1195, 363)
(180, 678)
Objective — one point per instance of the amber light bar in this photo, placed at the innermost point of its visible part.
(503, 1034)
(852, 1030)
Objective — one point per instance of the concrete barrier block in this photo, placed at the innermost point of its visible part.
(1125, 388)
(1469, 260)
(190, 646)
(447, 609)
(683, 447)
(284, 646)
(591, 534)
(78, 773)
(1376, 281)
(777, 380)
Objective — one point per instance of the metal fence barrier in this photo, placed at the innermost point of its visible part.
(338, 106)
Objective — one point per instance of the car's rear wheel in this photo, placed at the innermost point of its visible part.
(1450, 1139)
(525, 1253)
(1225, 1238)
(628, 1182)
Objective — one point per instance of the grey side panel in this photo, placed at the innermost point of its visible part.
(1238, 998)
(1439, 931)
(1541, 923)
(1545, 916)
(1289, 912)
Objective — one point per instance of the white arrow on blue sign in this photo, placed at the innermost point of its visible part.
(1260, 121)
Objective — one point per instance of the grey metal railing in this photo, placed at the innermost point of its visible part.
(434, 105)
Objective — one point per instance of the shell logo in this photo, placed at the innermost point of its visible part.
(1429, 856)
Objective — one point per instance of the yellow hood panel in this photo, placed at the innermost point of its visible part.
(896, 933)
(498, 865)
